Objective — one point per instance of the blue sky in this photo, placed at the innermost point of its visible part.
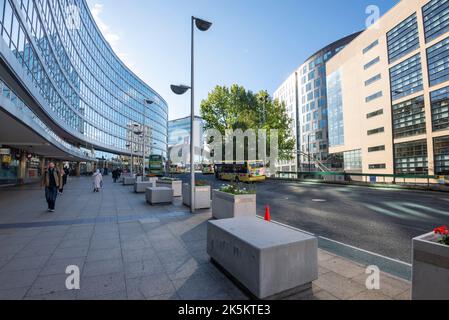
(254, 43)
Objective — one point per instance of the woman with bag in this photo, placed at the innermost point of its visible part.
(98, 181)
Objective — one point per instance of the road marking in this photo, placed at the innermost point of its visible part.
(369, 252)
(342, 244)
(319, 200)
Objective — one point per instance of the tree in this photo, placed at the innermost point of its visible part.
(237, 108)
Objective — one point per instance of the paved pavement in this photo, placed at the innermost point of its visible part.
(382, 221)
(127, 249)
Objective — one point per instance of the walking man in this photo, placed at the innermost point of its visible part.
(52, 181)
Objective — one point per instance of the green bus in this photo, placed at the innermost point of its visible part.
(157, 165)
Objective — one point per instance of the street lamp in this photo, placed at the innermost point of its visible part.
(202, 25)
(147, 102)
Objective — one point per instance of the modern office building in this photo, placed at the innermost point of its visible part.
(304, 94)
(388, 93)
(179, 137)
(65, 95)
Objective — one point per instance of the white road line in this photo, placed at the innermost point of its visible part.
(344, 244)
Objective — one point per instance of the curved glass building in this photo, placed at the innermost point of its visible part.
(305, 96)
(62, 82)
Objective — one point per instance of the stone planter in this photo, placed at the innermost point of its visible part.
(227, 206)
(202, 196)
(141, 186)
(159, 195)
(430, 269)
(176, 185)
(129, 181)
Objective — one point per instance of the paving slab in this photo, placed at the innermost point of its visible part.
(128, 250)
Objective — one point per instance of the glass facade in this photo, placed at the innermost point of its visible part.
(440, 109)
(409, 118)
(436, 18)
(179, 135)
(441, 148)
(335, 110)
(411, 158)
(438, 62)
(83, 83)
(403, 39)
(352, 160)
(406, 78)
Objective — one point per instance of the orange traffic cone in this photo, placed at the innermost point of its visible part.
(267, 213)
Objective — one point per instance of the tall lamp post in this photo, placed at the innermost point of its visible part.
(202, 25)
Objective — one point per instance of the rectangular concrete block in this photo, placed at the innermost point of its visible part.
(202, 196)
(141, 187)
(175, 185)
(159, 195)
(430, 269)
(226, 205)
(270, 260)
(129, 181)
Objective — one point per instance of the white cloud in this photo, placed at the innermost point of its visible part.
(110, 36)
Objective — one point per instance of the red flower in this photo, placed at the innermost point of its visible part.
(443, 230)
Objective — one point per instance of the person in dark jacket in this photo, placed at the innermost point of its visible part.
(52, 181)
(65, 174)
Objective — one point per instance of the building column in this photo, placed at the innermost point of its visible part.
(78, 169)
(21, 175)
(42, 166)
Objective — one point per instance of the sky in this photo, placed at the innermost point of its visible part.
(253, 43)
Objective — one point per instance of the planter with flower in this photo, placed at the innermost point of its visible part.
(202, 195)
(175, 184)
(234, 201)
(430, 275)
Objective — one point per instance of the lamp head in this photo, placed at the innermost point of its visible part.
(179, 90)
(202, 25)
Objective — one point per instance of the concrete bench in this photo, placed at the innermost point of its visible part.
(141, 186)
(129, 181)
(159, 195)
(271, 261)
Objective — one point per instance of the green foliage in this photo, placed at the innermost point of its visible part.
(237, 108)
(237, 189)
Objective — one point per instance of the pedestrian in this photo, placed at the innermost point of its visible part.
(52, 181)
(65, 174)
(115, 175)
(98, 181)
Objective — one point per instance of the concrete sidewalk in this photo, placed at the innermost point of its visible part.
(127, 249)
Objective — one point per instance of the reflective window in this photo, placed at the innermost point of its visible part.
(371, 63)
(406, 78)
(371, 46)
(441, 149)
(440, 109)
(409, 118)
(335, 110)
(436, 18)
(374, 96)
(438, 62)
(403, 39)
(411, 158)
(376, 149)
(353, 160)
(375, 131)
(375, 113)
(371, 80)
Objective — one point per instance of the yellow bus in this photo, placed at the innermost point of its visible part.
(208, 169)
(176, 169)
(249, 171)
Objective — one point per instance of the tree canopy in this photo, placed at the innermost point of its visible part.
(237, 108)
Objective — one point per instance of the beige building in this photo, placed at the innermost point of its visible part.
(388, 93)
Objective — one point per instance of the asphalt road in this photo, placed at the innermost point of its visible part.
(382, 221)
